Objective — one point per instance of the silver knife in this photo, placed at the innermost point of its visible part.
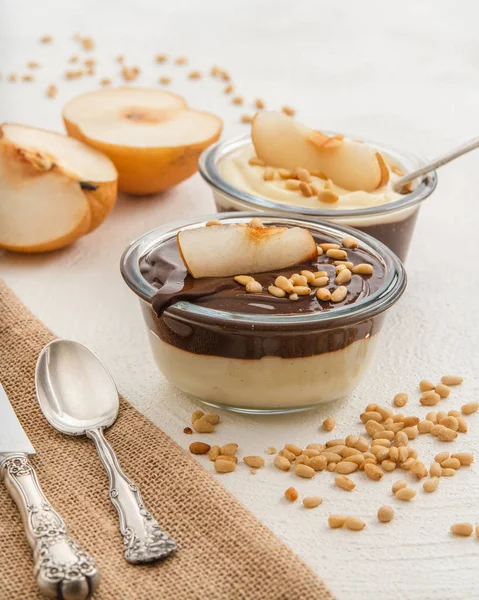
(62, 568)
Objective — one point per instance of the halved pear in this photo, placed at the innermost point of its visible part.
(226, 250)
(53, 189)
(151, 135)
(283, 142)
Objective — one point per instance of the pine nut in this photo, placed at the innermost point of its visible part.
(394, 454)
(202, 426)
(284, 284)
(400, 399)
(451, 463)
(388, 465)
(211, 418)
(430, 485)
(363, 269)
(229, 449)
(320, 282)
(301, 290)
(362, 444)
(224, 466)
(214, 452)
(340, 267)
(430, 399)
(227, 457)
(349, 242)
(254, 287)
(431, 416)
(335, 442)
(285, 174)
(440, 416)
(462, 529)
(441, 457)
(311, 452)
(291, 494)
(381, 442)
(419, 469)
(304, 471)
(462, 425)
(312, 501)
(398, 485)
(318, 463)
(352, 440)
(302, 459)
(405, 494)
(287, 454)
(450, 423)
(451, 379)
(344, 482)
(410, 421)
(319, 447)
(321, 273)
(394, 427)
(199, 448)
(442, 390)
(305, 189)
(254, 462)
(354, 523)
(435, 429)
(385, 514)
(371, 416)
(339, 294)
(411, 432)
(346, 467)
(343, 277)
(454, 413)
(323, 294)
(331, 467)
(412, 452)
(348, 451)
(282, 463)
(302, 174)
(336, 521)
(426, 386)
(292, 184)
(373, 427)
(447, 435)
(197, 414)
(357, 459)
(435, 470)
(332, 457)
(407, 464)
(373, 472)
(469, 408)
(465, 458)
(329, 424)
(380, 452)
(448, 472)
(296, 450)
(276, 291)
(337, 254)
(328, 246)
(344, 264)
(309, 276)
(403, 454)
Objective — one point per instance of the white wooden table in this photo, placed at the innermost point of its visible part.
(403, 73)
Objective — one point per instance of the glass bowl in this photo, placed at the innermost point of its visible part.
(392, 223)
(257, 363)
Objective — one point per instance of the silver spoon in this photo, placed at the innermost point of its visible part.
(78, 397)
(399, 184)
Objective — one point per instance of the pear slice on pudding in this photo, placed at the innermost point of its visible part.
(226, 250)
(53, 189)
(284, 143)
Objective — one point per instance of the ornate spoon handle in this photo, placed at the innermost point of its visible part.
(63, 570)
(143, 539)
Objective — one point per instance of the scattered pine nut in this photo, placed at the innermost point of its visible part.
(448, 472)
(27, 78)
(349, 242)
(247, 118)
(303, 470)
(430, 485)
(339, 294)
(344, 482)
(336, 521)
(259, 103)
(238, 100)
(385, 514)
(270, 450)
(52, 91)
(405, 494)
(254, 287)
(443, 390)
(354, 523)
(282, 463)
(12, 77)
(255, 462)
(424, 426)
(328, 196)
(194, 75)
(229, 449)
(215, 71)
(288, 111)
(256, 161)
(211, 418)
(446, 435)
(197, 414)
(87, 43)
(293, 448)
(159, 58)
(224, 466)
(291, 494)
(32, 64)
(373, 471)
(451, 379)
(46, 39)
(227, 457)
(276, 291)
(214, 452)
(465, 458)
(329, 424)
(199, 448)
(400, 399)
(430, 398)
(105, 81)
(462, 529)
(165, 80)
(398, 485)
(426, 386)
(363, 269)
(228, 89)
(337, 254)
(469, 408)
(181, 60)
(202, 426)
(312, 501)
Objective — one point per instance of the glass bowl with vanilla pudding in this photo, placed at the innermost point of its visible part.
(242, 180)
(293, 324)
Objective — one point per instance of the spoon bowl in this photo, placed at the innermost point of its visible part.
(75, 391)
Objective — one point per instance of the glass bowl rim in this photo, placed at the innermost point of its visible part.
(209, 171)
(387, 295)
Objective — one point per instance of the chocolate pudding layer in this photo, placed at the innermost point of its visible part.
(163, 268)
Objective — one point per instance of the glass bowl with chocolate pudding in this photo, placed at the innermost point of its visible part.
(285, 339)
(242, 182)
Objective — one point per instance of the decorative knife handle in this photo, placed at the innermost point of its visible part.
(63, 570)
(143, 539)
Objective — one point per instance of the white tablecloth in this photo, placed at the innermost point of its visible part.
(403, 73)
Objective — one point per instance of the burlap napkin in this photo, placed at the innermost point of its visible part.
(224, 552)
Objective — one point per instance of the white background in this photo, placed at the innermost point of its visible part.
(403, 73)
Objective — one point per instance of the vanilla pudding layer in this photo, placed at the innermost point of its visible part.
(237, 171)
(267, 383)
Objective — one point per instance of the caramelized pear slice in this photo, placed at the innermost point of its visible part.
(229, 250)
(284, 143)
